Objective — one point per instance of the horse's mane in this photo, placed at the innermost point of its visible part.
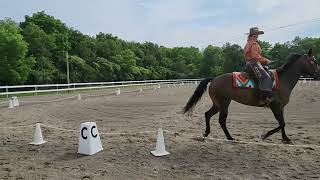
(292, 58)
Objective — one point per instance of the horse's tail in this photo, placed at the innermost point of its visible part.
(202, 87)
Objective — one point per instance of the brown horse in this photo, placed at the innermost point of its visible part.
(222, 92)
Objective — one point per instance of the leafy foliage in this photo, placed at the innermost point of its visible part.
(35, 53)
(15, 66)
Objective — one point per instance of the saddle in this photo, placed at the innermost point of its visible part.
(244, 81)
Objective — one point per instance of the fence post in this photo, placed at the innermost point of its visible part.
(7, 90)
(57, 89)
(74, 87)
(36, 89)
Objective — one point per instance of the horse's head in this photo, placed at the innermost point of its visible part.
(309, 64)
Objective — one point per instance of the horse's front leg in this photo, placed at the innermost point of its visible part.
(278, 114)
(223, 118)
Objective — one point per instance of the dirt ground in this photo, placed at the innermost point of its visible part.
(128, 156)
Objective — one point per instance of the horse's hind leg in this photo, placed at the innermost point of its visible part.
(223, 118)
(212, 111)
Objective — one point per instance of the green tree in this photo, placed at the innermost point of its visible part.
(265, 48)
(234, 59)
(279, 54)
(83, 46)
(127, 61)
(299, 45)
(41, 46)
(80, 71)
(107, 70)
(46, 22)
(15, 67)
(59, 34)
(105, 57)
(212, 57)
(107, 46)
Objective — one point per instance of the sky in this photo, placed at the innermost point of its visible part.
(178, 22)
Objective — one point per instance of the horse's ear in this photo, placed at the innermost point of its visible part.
(310, 52)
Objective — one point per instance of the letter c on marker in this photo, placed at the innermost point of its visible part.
(92, 132)
(84, 128)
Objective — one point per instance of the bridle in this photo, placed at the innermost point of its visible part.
(314, 64)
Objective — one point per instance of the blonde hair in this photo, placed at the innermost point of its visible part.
(251, 35)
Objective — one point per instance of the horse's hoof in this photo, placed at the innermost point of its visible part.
(263, 137)
(287, 141)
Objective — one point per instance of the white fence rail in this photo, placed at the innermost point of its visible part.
(24, 89)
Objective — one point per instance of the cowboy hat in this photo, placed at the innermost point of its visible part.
(255, 31)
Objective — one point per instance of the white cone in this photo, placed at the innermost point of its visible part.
(37, 137)
(168, 85)
(159, 86)
(140, 90)
(174, 85)
(79, 97)
(118, 92)
(15, 101)
(10, 104)
(89, 139)
(160, 147)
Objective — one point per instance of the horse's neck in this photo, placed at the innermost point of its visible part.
(290, 77)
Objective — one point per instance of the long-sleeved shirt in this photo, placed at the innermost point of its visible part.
(252, 52)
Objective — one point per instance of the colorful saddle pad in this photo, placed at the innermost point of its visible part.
(242, 80)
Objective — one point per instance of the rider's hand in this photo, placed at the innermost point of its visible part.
(268, 61)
